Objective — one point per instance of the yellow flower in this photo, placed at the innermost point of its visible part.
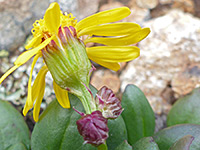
(116, 38)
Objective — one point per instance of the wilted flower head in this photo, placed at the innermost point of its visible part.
(57, 38)
(108, 103)
(93, 127)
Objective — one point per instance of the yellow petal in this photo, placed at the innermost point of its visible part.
(109, 65)
(120, 41)
(112, 15)
(38, 80)
(113, 53)
(61, 95)
(24, 57)
(34, 42)
(29, 97)
(37, 89)
(8, 73)
(36, 110)
(115, 29)
(52, 17)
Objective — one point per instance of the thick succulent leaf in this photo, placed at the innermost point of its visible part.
(117, 132)
(138, 114)
(13, 129)
(18, 146)
(186, 110)
(183, 144)
(124, 146)
(146, 143)
(168, 136)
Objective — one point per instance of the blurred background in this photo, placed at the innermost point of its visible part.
(167, 69)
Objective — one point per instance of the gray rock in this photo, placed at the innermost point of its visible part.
(172, 45)
(160, 122)
(147, 3)
(16, 21)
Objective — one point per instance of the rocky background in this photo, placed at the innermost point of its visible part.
(167, 69)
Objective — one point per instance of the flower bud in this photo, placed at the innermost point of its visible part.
(108, 103)
(93, 127)
(67, 60)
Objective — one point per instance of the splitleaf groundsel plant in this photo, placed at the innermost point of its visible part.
(57, 39)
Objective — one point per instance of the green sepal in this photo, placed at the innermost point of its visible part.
(68, 64)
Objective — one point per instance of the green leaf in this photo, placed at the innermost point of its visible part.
(168, 136)
(183, 144)
(146, 143)
(186, 110)
(124, 146)
(138, 114)
(117, 132)
(57, 130)
(18, 146)
(13, 129)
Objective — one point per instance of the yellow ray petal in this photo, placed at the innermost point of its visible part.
(109, 65)
(113, 53)
(38, 102)
(112, 15)
(37, 89)
(115, 29)
(52, 17)
(125, 40)
(8, 73)
(34, 42)
(61, 95)
(41, 74)
(29, 97)
(24, 57)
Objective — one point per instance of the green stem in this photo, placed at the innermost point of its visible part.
(86, 99)
(102, 147)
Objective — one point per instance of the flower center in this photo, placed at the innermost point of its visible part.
(39, 27)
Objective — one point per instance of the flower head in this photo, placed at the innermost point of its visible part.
(108, 103)
(93, 127)
(57, 38)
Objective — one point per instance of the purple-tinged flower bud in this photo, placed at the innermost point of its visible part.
(108, 103)
(93, 127)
